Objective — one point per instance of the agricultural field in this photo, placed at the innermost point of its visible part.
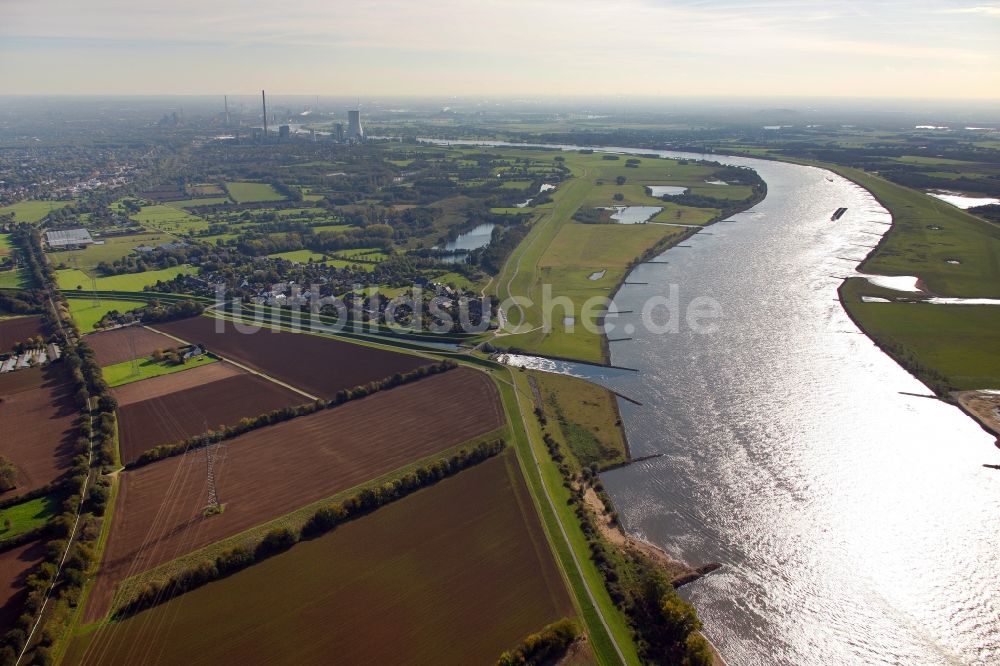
(169, 218)
(118, 345)
(452, 279)
(459, 564)
(32, 211)
(71, 278)
(28, 515)
(167, 409)
(205, 190)
(330, 227)
(300, 212)
(19, 329)
(298, 256)
(114, 248)
(86, 313)
(146, 368)
(15, 279)
(204, 201)
(320, 366)
(39, 416)
(343, 263)
(215, 238)
(363, 254)
(159, 513)
(242, 192)
(15, 565)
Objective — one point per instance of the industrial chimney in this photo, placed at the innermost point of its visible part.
(263, 102)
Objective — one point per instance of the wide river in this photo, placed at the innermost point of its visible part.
(855, 521)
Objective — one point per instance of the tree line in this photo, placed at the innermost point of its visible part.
(66, 592)
(665, 626)
(287, 413)
(545, 647)
(324, 520)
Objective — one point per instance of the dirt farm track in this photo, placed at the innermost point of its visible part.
(318, 365)
(274, 470)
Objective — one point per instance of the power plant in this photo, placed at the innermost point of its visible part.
(354, 130)
(339, 132)
(263, 102)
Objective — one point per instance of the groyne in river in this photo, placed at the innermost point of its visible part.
(854, 518)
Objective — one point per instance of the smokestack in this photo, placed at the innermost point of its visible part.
(263, 102)
(225, 99)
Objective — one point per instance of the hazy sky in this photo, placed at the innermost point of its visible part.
(925, 48)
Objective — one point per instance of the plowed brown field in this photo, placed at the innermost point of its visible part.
(19, 329)
(320, 366)
(451, 575)
(155, 387)
(272, 471)
(37, 422)
(172, 416)
(15, 565)
(114, 346)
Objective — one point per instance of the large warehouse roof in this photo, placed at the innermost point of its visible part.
(65, 237)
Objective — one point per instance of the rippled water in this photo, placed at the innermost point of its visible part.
(963, 201)
(855, 521)
(475, 238)
(661, 190)
(634, 214)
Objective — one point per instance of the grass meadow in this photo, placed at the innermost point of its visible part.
(32, 211)
(86, 313)
(71, 278)
(243, 192)
(125, 373)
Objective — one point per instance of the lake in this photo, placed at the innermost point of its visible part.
(477, 237)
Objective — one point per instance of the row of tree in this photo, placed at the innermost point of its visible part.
(545, 647)
(159, 312)
(65, 570)
(324, 520)
(287, 413)
(666, 628)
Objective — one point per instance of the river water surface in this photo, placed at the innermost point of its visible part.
(855, 521)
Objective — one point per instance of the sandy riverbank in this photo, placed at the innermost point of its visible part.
(984, 406)
(680, 572)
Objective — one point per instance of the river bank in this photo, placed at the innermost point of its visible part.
(829, 556)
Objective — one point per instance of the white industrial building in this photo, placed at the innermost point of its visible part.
(68, 239)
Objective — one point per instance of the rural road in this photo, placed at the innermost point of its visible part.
(536, 230)
(562, 529)
(79, 506)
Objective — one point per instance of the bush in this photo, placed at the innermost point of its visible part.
(276, 541)
(547, 646)
(8, 475)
